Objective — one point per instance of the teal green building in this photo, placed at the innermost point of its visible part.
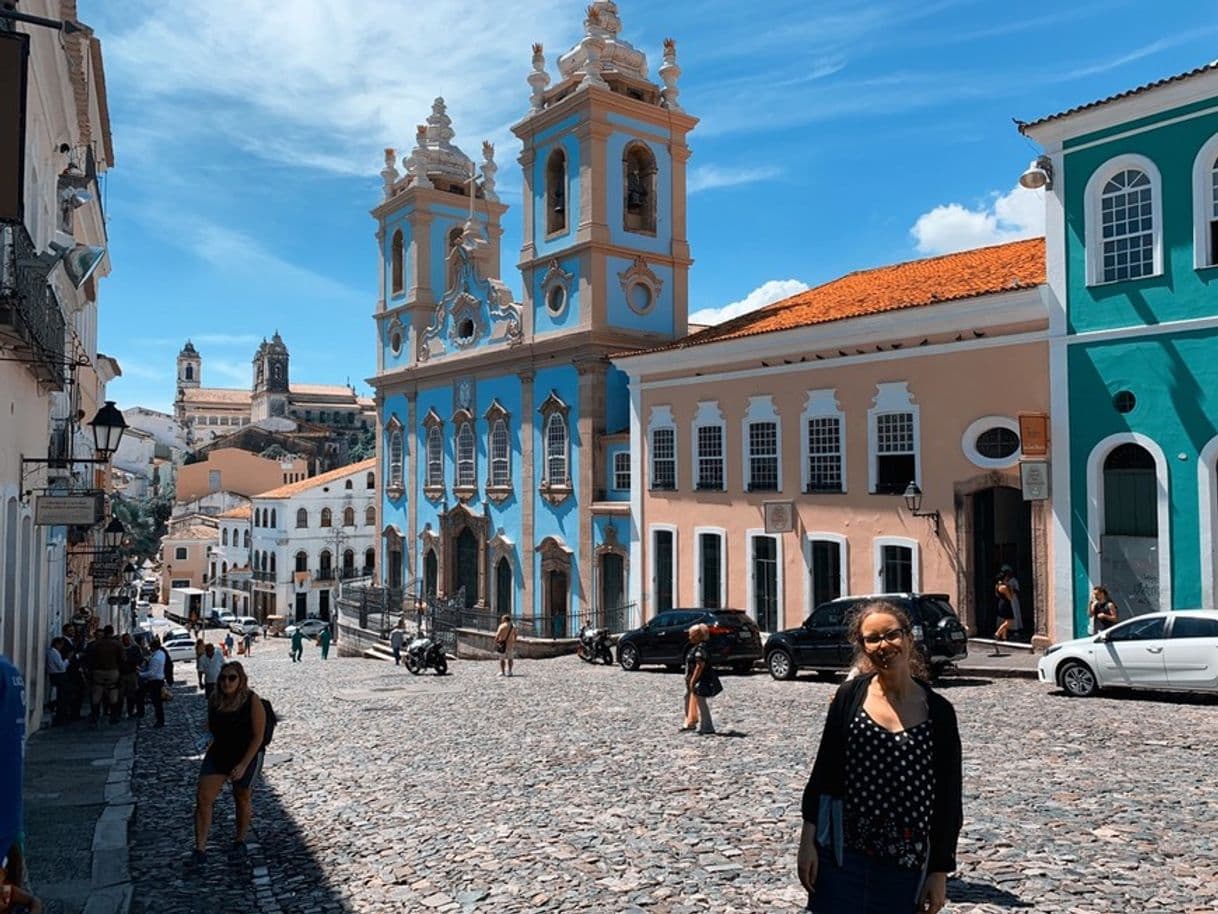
(1132, 268)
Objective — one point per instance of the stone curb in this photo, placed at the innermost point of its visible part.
(112, 888)
(996, 672)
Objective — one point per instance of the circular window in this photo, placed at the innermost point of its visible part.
(640, 297)
(465, 329)
(395, 341)
(1123, 401)
(992, 442)
(556, 299)
(997, 443)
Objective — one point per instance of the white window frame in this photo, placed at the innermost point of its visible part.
(892, 397)
(843, 545)
(708, 415)
(653, 589)
(760, 409)
(181, 553)
(661, 417)
(1204, 178)
(550, 455)
(1093, 236)
(821, 404)
(614, 471)
(435, 456)
(504, 461)
(720, 532)
(397, 443)
(750, 596)
(466, 463)
(968, 442)
(877, 556)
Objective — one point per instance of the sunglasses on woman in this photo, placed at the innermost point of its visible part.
(230, 677)
(892, 636)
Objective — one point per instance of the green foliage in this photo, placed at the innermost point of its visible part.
(146, 520)
(361, 446)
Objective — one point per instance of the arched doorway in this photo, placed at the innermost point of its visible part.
(613, 583)
(1129, 541)
(1002, 535)
(503, 587)
(556, 602)
(465, 571)
(431, 573)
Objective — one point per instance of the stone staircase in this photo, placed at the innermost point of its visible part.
(379, 651)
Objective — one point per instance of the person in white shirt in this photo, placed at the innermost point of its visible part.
(210, 663)
(396, 637)
(152, 680)
(57, 670)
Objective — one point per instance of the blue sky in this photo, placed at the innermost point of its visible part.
(834, 136)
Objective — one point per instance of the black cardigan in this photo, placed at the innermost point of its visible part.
(829, 771)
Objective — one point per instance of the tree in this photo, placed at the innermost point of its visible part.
(361, 446)
(146, 520)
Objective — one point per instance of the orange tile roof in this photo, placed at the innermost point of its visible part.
(913, 284)
(295, 488)
(1137, 90)
(241, 512)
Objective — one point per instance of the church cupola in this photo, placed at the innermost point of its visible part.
(190, 367)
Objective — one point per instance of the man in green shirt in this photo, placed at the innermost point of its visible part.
(324, 640)
(297, 645)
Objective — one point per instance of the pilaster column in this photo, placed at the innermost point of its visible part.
(413, 490)
(528, 494)
(590, 423)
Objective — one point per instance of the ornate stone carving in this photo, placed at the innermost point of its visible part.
(389, 174)
(538, 79)
(601, 40)
(639, 274)
(489, 168)
(556, 278)
(669, 73)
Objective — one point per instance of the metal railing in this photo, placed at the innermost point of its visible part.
(232, 583)
(265, 577)
(323, 574)
(30, 316)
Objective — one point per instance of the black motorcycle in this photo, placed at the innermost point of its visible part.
(594, 645)
(423, 653)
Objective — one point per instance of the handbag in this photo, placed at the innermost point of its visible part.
(500, 647)
(708, 684)
(166, 695)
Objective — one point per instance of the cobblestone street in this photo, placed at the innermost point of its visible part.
(568, 788)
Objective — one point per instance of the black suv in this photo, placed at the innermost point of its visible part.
(821, 643)
(735, 640)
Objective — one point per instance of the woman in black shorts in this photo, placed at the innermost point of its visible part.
(237, 721)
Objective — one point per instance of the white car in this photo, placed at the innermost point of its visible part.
(1175, 651)
(309, 628)
(243, 624)
(180, 649)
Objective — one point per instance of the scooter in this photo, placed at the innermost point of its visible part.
(423, 653)
(594, 645)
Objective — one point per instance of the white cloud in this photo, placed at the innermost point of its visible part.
(765, 294)
(708, 177)
(1019, 213)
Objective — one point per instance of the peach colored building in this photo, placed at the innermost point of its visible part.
(819, 411)
(237, 471)
(185, 551)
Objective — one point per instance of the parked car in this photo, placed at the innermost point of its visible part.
(219, 618)
(822, 644)
(180, 648)
(735, 640)
(1175, 651)
(243, 624)
(309, 628)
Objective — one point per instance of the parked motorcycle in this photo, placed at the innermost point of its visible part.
(594, 645)
(423, 653)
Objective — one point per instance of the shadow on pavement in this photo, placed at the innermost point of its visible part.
(961, 890)
(950, 682)
(281, 873)
(1147, 696)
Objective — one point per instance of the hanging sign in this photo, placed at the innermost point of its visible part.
(1034, 479)
(68, 510)
(1034, 434)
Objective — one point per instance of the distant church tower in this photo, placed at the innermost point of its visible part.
(270, 392)
(190, 375)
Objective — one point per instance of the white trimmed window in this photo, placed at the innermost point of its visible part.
(395, 456)
(664, 458)
(824, 443)
(501, 467)
(556, 450)
(762, 434)
(1205, 205)
(466, 465)
(621, 471)
(892, 439)
(1124, 238)
(709, 450)
(435, 457)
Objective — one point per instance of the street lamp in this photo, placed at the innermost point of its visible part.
(112, 535)
(913, 501)
(108, 427)
(130, 573)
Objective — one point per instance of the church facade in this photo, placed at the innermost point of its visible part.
(503, 427)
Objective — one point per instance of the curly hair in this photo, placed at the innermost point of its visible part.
(854, 632)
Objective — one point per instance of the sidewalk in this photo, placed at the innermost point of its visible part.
(1019, 661)
(78, 805)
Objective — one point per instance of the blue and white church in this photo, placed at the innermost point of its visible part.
(503, 428)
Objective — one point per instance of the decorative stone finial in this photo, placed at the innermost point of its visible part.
(592, 47)
(389, 174)
(538, 79)
(602, 21)
(669, 72)
(416, 163)
(439, 125)
(489, 168)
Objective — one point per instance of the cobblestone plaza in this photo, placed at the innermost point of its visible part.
(568, 788)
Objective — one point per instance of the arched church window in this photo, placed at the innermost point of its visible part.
(370, 516)
(224, 537)
(435, 457)
(326, 517)
(638, 189)
(500, 466)
(465, 455)
(190, 372)
(395, 458)
(556, 450)
(397, 258)
(556, 192)
(302, 518)
(348, 517)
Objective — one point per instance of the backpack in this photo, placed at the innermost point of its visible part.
(268, 732)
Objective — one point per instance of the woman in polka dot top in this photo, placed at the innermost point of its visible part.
(882, 809)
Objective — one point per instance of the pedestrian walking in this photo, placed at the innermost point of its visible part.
(104, 657)
(505, 644)
(129, 674)
(213, 662)
(200, 645)
(1016, 601)
(152, 681)
(1102, 613)
(237, 721)
(1005, 610)
(396, 637)
(323, 639)
(297, 645)
(701, 683)
(228, 645)
(882, 808)
(248, 640)
(57, 672)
